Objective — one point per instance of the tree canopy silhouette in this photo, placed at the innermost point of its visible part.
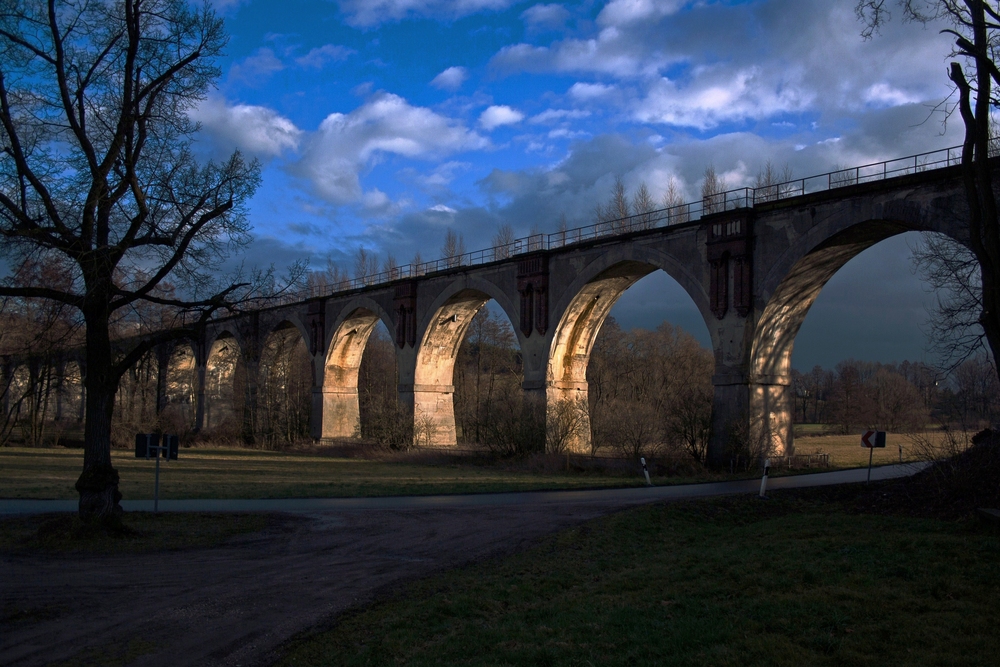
(99, 180)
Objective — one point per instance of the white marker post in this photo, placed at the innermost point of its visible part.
(642, 460)
(763, 480)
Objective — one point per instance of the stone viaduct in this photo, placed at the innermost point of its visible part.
(753, 263)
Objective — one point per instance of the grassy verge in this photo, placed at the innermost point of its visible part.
(245, 473)
(738, 581)
(65, 533)
(242, 473)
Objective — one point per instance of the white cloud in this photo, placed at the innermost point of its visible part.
(545, 16)
(717, 98)
(625, 12)
(318, 57)
(368, 13)
(451, 78)
(585, 92)
(443, 174)
(345, 144)
(556, 115)
(498, 115)
(253, 129)
(256, 68)
(441, 208)
(883, 94)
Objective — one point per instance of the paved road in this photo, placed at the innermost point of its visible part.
(238, 603)
(630, 496)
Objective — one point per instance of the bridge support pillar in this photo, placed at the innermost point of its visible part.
(533, 416)
(250, 416)
(163, 353)
(567, 418)
(751, 418)
(433, 415)
(200, 376)
(60, 388)
(335, 413)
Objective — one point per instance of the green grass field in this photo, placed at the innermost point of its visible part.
(723, 582)
(244, 473)
(247, 473)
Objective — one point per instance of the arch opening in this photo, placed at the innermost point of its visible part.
(180, 395)
(284, 390)
(340, 408)
(779, 392)
(136, 401)
(382, 418)
(634, 391)
(481, 372)
(221, 416)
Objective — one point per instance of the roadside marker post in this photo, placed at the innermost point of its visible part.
(642, 460)
(763, 480)
(147, 444)
(871, 440)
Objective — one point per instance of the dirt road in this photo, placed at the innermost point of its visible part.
(236, 604)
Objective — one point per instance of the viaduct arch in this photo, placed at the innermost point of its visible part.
(752, 271)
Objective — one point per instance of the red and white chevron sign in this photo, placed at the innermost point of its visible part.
(872, 439)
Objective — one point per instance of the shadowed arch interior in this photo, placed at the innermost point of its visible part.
(340, 410)
(771, 353)
(284, 388)
(180, 394)
(220, 380)
(433, 388)
(567, 418)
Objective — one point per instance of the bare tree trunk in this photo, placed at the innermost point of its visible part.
(98, 484)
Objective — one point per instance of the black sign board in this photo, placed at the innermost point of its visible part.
(171, 444)
(145, 444)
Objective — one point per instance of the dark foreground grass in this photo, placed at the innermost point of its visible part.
(794, 580)
(145, 532)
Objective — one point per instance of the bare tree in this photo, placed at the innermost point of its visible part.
(643, 207)
(768, 183)
(619, 208)
(503, 242)
(453, 248)
(390, 266)
(952, 271)
(561, 229)
(712, 189)
(673, 201)
(975, 25)
(365, 265)
(97, 173)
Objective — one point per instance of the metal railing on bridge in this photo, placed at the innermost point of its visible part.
(745, 197)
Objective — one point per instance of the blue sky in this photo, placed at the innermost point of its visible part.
(384, 123)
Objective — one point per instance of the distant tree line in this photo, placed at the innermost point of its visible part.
(902, 397)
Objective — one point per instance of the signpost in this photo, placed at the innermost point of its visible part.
(147, 444)
(871, 440)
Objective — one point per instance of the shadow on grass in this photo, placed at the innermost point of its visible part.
(144, 532)
(801, 579)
